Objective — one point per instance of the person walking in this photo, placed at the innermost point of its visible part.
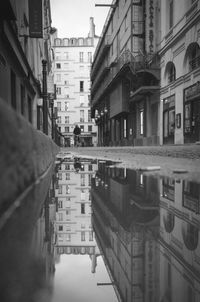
(77, 132)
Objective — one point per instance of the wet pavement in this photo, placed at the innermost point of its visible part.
(92, 230)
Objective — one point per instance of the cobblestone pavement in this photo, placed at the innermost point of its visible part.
(169, 158)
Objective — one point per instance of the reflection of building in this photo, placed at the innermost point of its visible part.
(73, 57)
(73, 217)
(125, 220)
(179, 241)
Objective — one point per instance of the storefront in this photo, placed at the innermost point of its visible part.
(169, 120)
(192, 113)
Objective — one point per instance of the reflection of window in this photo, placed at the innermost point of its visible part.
(60, 189)
(169, 220)
(187, 118)
(190, 236)
(60, 228)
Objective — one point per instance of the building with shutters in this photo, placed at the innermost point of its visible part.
(72, 64)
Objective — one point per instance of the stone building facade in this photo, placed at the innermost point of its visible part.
(73, 58)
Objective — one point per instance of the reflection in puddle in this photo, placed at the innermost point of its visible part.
(103, 233)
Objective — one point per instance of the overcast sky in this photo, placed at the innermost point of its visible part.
(71, 17)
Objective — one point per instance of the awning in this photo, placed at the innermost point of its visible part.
(143, 90)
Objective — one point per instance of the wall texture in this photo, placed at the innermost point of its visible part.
(25, 154)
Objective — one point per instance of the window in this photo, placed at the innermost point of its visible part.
(90, 167)
(67, 129)
(82, 236)
(81, 86)
(60, 176)
(67, 167)
(82, 100)
(171, 73)
(58, 65)
(59, 189)
(60, 204)
(82, 128)
(82, 208)
(58, 77)
(67, 189)
(22, 99)
(81, 56)
(141, 121)
(82, 180)
(67, 176)
(68, 237)
(59, 120)
(125, 128)
(89, 57)
(60, 216)
(90, 128)
(30, 109)
(66, 119)
(66, 106)
(60, 228)
(59, 106)
(66, 55)
(91, 236)
(82, 116)
(58, 90)
(89, 116)
(13, 90)
(171, 13)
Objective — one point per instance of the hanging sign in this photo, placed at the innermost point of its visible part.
(35, 19)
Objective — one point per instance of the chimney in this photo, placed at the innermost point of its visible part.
(92, 28)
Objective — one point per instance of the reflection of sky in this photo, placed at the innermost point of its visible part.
(74, 281)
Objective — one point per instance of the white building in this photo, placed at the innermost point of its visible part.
(73, 58)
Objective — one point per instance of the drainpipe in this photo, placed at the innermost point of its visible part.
(44, 95)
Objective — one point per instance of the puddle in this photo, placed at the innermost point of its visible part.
(104, 233)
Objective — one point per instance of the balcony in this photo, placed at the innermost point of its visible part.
(102, 48)
(119, 66)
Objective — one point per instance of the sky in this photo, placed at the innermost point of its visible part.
(72, 17)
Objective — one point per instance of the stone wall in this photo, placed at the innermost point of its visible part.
(25, 154)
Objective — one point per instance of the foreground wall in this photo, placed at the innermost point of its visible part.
(25, 155)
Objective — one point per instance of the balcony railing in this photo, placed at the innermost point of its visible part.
(127, 58)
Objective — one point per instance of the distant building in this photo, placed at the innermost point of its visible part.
(72, 64)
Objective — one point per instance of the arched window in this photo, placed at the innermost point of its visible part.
(73, 42)
(170, 72)
(192, 56)
(57, 42)
(169, 222)
(80, 41)
(66, 42)
(190, 236)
